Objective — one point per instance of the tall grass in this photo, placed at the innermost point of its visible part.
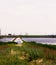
(29, 51)
(36, 51)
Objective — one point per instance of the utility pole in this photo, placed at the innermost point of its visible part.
(0, 32)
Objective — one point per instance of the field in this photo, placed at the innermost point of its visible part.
(28, 53)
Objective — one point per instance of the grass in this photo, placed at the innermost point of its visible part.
(6, 43)
(29, 53)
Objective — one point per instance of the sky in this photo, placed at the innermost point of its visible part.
(28, 16)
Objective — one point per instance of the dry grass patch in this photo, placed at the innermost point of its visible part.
(4, 47)
(39, 60)
(22, 58)
(13, 52)
(19, 45)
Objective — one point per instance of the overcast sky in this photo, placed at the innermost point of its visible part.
(31, 16)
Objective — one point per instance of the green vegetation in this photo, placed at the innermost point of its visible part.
(6, 43)
(43, 45)
(27, 36)
(29, 53)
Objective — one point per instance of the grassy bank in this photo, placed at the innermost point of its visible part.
(29, 53)
(6, 43)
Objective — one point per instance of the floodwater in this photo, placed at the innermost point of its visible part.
(37, 40)
(41, 40)
(6, 39)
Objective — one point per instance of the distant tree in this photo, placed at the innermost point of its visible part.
(9, 34)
